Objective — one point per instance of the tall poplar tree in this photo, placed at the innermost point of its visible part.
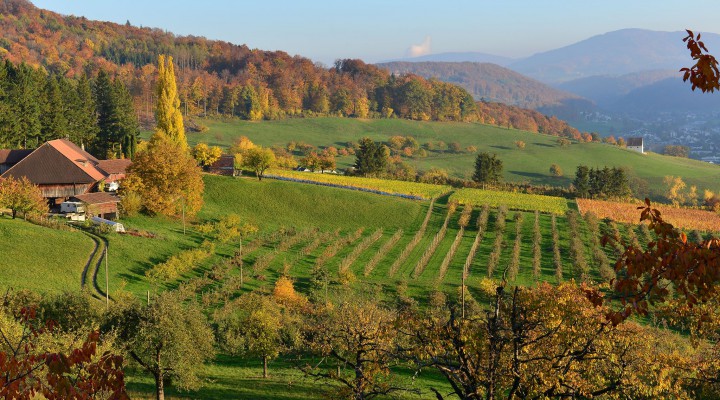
(167, 114)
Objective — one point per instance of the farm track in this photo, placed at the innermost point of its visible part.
(93, 253)
(96, 258)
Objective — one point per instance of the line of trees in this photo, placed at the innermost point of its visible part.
(601, 183)
(36, 107)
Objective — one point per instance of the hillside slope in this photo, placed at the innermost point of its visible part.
(216, 77)
(487, 81)
(528, 165)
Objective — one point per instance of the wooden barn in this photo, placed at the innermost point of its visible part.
(99, 204)
(62, 170)
(225, 165)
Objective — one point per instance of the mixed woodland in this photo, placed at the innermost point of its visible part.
(214, 78)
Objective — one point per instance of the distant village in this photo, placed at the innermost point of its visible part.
(699, 132)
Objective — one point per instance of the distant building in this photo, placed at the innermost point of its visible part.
(636, 144)
(225, 165)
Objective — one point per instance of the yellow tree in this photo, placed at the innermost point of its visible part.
(167, 113)
(167, 179)
(23, 196)
(206, 155)
(675, 187)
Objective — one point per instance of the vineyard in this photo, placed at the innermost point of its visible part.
(627, 213)
(514, 201)
(412, 190)
(425, 245)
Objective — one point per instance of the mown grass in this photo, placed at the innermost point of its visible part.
(530, 164)
(41, 259)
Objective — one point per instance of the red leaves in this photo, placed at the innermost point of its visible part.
(26, 372)
(693, 269)
(704, 74)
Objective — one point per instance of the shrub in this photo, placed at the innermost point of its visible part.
(556, 171)
(130, 204)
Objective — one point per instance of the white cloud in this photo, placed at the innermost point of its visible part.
(421, 49)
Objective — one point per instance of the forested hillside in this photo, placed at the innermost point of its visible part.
(488, 81)
(217, 77)
(220, 78)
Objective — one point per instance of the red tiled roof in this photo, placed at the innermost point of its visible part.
(58, 162)
(114, 166)
(97, 198)
(225, 161)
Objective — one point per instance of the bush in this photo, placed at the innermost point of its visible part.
(130, 204)
(555, 170)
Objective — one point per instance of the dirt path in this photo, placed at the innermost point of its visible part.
(93, 265)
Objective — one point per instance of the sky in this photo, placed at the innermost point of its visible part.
(377, 30)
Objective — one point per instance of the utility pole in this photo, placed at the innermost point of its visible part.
(183, 215)
(463, 293)
(240, 263)
(107, 280)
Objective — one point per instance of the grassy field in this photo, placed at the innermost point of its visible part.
(414, 190)
(41, 259)
(321, 217)
(531, 164)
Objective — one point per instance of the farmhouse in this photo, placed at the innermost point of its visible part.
(62, 170)
(636, 144)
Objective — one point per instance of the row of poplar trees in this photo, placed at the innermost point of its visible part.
(96, 113)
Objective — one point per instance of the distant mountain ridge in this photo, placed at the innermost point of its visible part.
(488, 81)
(604, 90)
(614, 53)
(467, 56)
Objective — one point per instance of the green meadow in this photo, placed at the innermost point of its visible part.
(530, 164)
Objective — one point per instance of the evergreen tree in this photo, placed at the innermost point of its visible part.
(228, 100)
(168, 119)
(24, 107)
(488, 168)
(54, 124)
(371, 158)
(105, 115)
(128, 127)
(6, 135)
(82, 115)
(582, 181)
(250, 107)
(118, 126)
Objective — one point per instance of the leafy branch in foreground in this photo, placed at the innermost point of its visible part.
(693, 269)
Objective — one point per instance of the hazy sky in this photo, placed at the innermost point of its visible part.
(375, 30)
